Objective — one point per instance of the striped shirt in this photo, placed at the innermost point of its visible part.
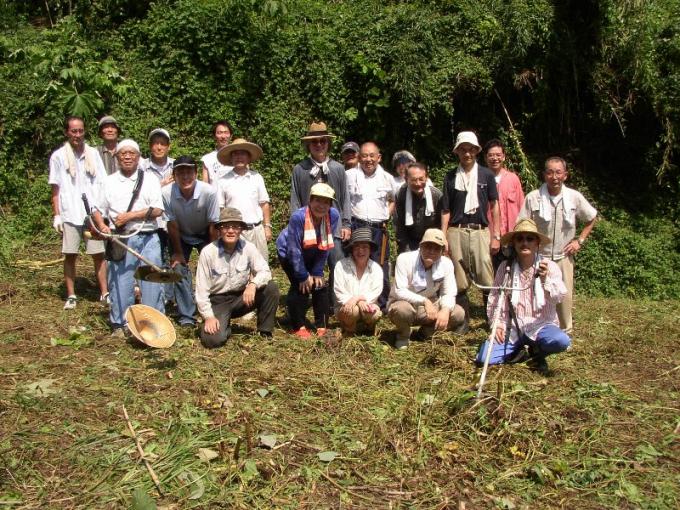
(530, 320)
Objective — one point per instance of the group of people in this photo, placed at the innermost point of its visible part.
(478, 228)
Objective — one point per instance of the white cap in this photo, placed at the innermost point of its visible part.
(467, 137)
(128, 142)
(159, 131)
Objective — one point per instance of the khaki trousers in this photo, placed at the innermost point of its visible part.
(357, 320)
(472, 247)
(404, 315)
(257, 237)
(566, 265)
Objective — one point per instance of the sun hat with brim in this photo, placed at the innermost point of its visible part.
(184, 161)
(159, 131)
(240, 144)
(525, 226)
(129, 143)
(107, 120)
(231, 215)
(150, 326)
(317, 130)
(362, 235)
(466, 137)
(321, 189)
(435, 236)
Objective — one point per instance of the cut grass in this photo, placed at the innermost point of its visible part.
(602, 431)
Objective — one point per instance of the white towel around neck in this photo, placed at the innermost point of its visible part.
(71, 160)
(419, 279)
(545, 205)
(471, 199)
(539, 296)
(408, 213)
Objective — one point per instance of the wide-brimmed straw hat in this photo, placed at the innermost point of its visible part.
(240, 144)
(434, 235)
(525, 226)
(466, 137)
(150, 326)
(362, 235)
(317, 130)
(231, 215)
(323, 190)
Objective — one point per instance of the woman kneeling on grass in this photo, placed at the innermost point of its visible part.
(528, 328)
(303, 248)
(358, 282)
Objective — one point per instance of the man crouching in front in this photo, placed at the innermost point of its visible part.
(233, 279)
(424, 291)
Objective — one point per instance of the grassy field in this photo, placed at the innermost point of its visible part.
(283, 423)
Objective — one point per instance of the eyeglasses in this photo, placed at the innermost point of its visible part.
(530, 238)
(229, 226)
(321, 141)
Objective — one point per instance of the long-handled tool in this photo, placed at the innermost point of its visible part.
(149, 273)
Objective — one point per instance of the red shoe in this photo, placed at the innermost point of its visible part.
(302, 333)
(321, 331)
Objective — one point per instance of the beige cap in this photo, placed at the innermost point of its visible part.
(433, 235)
(321, 189)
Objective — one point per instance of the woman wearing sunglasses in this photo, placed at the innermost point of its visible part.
(528, 329)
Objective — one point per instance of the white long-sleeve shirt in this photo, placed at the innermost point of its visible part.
(443, 289)
(346, 284)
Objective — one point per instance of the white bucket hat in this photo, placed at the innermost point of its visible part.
(466, 137)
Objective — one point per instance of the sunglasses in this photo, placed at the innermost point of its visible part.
(530, 238)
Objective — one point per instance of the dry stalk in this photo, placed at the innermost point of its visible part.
(156, 482)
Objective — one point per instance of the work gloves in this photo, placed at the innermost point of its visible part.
(58, 224)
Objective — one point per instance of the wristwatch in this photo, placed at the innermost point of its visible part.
(497, 237)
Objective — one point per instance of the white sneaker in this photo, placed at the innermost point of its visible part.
(71, 302)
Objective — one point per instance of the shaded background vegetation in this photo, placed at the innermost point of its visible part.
(596, 82)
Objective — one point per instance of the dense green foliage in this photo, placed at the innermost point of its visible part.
(597, 83)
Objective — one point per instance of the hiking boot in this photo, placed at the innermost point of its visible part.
(120, 333)
(71, 302)
(250, 316)
(401, 344)
(302, 333)
(538, 364)
(105, 298)
(520, 356)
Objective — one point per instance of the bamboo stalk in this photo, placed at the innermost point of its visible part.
(156, 482)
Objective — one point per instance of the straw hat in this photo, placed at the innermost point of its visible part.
(317, 130)
(526, 226)
(150, 326)
(240, 144)
(466, 137)
(362, 235)
(435, 236)
(323, 190)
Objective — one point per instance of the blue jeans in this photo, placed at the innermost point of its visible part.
(184, 296)
(549, 340)
(122, 281)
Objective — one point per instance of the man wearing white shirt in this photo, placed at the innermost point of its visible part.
(128, 216)
(556, 209)
(213, 170)
(358, 282)
(243, 188)
(76, 169)
(424, 291)
(371, 196)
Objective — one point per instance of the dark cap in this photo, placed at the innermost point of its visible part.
(184, 161)
(350, 146)
(362, 235)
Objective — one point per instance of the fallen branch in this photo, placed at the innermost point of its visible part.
(37, 264)
(156, 482)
